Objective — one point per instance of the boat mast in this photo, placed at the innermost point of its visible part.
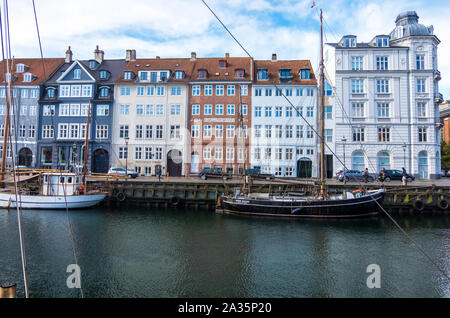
(7, 119)
(85, 157)
(322, 113)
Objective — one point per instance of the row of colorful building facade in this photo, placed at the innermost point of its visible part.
(232, 113)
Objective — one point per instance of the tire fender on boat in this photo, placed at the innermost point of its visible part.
(297, 210)
(175, 201)
(443, 204)
(121, 196)
(419, 205)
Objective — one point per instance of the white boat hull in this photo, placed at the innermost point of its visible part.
(8, 200)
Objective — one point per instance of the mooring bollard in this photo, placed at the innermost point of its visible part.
(8, 290)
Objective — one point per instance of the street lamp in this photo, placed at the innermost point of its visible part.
(74, 157)
(344, 140)
(404, 155)
(126, 157)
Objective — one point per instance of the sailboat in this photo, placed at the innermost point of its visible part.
(358, 203)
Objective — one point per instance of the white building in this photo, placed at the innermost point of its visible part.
(386, 100)
(150, 116)
(282, 143)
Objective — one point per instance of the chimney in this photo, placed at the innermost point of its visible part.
(69, 55)
(158, 57)
(227, 55)
(131, 56)
(274, 57)
(193, 56)
(99, 55)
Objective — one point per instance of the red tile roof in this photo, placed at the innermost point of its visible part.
(33, 66)
(273, 68)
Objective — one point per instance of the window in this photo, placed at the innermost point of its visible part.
(20, 68)
(159, 110)
(278, 92)
(258, 92)
(102, 110)
(244, 110)
(358, 110)
(32, 110)
(358, 161)
(240, 73)
(383, 110)
(422, 134)
(230, 110)
(299, 91)
(149, 110)
(24, 93)
(208, 90)
(382, 42)
(195, 131)
(329, 135)
(288, 92)
(153, 77)
(48, 132)
(268, 153)
(218, 153)
(23, 110)
(384, 160)
(350, 42)
(124, 109)
(77, 74)
(124, 131)
(51, 93)
(159, 132)
(104, 92)
(262, 74)
(288, 111)
(175, 132)
(202, 74)
(382, 86)
(143, 76)
(309, 132)
(258, 111)
(285, 74)
(63, 131)
(268, 111)
(219, 90)
(127, 75)
(48, 110)
(230, 131)
(103, 75)
(382, 63)
(175, 110)
(357, 86)
(140, 91)
(139, 132)
(206, 153)
(158, 153)
(420, 62)
(421, 109)
(148, 132)
(244, 90)
(179, 75)
(310, 112)
(148, 154)
(138, 153)
(420, 85)
(160, 91)
(268, 131)
(268, 91)
(358, 134)
(207, 109)
(123, 152)
(230, 154)
(150, 90)
(75, 110)
(32, 131)
(328, 112)
(278, 111)
(357, 63)
(384, 135)
(257, 131)
(242, 154)
(257, 153)
(231, 90)
(125, 91)
(64, 91)
(299, 131)
(64, 110)
(195, 109)
(219, 109)
(218, 131)
(22, 131)
(305, 74)
(289, 131)
(423, 165)
(101, 132)
(196, 90)
(74, 131)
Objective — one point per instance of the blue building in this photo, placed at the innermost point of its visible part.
(76, 89)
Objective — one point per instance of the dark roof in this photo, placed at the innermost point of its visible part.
(35, 66)
(366, 46)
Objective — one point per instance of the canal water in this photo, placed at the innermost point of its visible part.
(147, 252)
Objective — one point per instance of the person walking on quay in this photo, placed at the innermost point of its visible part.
(405, 177)
(366, 175)
(158, 173)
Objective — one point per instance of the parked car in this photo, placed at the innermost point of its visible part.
(256, 173)
(354, 175)
(123, 172)
(391, 174)
(445, 174)
(214, 173)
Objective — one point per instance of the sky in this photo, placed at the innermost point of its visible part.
(175, 28)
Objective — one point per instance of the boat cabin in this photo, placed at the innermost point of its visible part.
(58, 184)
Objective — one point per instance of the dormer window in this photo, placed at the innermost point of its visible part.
(27, 77)
(348, 41)
(163, 76)
(93, 65)
(263, 74)
(104, 75)
(127, 75)
(240, 73)
(223, 63)
(179, 75)
(20, 68)
(382, 42)
(7, 77)
(143, 76)
(285, 74)
(202, 74)
(305, 74)
(77, 74)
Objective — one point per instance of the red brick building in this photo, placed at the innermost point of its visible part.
(219, 115)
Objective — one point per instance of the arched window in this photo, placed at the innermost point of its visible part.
(358, 162)
(423, 165)
(384, 160)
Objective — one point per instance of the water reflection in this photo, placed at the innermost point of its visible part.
(169, 253)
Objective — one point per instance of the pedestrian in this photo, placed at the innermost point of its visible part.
(366, 175)
(405, 177)
(158, 173)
